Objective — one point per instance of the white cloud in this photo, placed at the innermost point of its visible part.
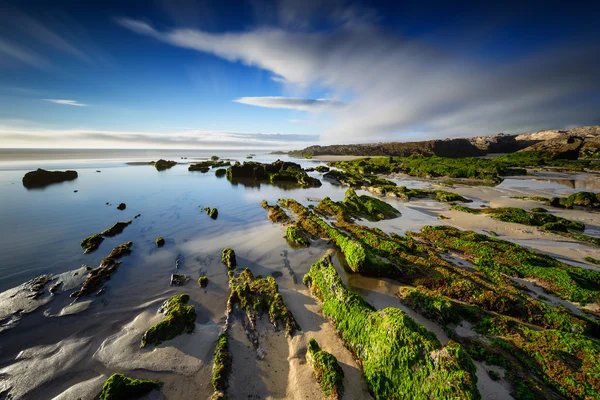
(67, 102)
(21, 54)
(399, 86)
(292, 103)
(21, 136)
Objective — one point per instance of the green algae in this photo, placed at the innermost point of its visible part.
(212, 212)
(203, 281)
(276, 172)
(592, 260)
(221, 366)
(407, 194)
(400, 358)
(328, 373)
(91, 243)
(121, 387)
(179, 318)
(116, 229)
(296, 236)
(228, 258)
(578, 199)
(355, 206)
(160, 242)
(257, 295)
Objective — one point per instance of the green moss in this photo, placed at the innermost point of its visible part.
(296, 236)
(278, 171)
(328, 373)
(179, 318)
(221, 366)
(259, 295)
(592, 260)
(91, 243)
(228, 258)
(116, 229)
(160, 242)
(407, 194)
(212, 212)
(465, 209)
(538, 210)
(400, 358)
(162, 165)
(355, 206)
(121, 387)
(203, 281)
(322, 169)
(276, 214)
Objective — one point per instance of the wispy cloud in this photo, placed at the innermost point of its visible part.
(67, 102)
(35, 137)
(402, 86)
(292, 103)
(15, 52)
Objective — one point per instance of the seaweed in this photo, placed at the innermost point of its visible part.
(256, 295)
(228, 258)
(179, 318)
(400, 358)
(328, 373)
(121, 387)
(221, 366)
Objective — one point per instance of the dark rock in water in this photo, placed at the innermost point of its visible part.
(276, 172)
(117, 228)
(220, 172)
(161, 164)
(160, 242)
(203, 281)
(228, 258)
(42, 178)
(179, 279)
(98, 170)
(122, 206)
(137, 215)
(91, 243)
(75, 191)
(276, 274)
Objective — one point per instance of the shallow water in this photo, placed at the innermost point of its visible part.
(42, 229)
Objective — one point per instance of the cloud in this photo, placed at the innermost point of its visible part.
(67, 102)
(292, 103)
(21, 54)
(403, 87)
(36, 137)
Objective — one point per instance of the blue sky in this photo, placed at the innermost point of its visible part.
(285, 74)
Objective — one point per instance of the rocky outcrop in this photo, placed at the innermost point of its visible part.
(42, 178)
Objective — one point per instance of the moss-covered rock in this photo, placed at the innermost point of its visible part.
(116, 229)
(276, 214)
(91, 243)
(121, 387)
(228, 258)
(322, 169)
(328, 373)
(162, 165)
(160, 242)
(203, 281)
(221, 366)
(278, 171)
(108, 266)
(259, 295)
(212, 212)
(179, 318)
(42, 178)
(295, 236)
(204, 166)
(221, 172)
(407, 194)
(400, 358)
(355, 206)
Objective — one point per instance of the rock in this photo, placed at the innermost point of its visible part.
(42, 178)
(161, 164)
(179, 279)
(203, 281)
(160, 242)
(122, 206)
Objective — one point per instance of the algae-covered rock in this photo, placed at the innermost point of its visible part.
(121, 206)
(116, 229)
(108, 266)
(121, 387)
(160, 242)
(400, 358)
(162, 165)
(278, 171)
(179, 279)
(296, 236)
(42, 178)
(221, 366)
(203, 281)
(276, 214)
(328, 373)
(228, 258)
(179, 318)
(204, 166)
(221, 172)
(259, 295)
(91, 243)
(212, 212)
(322, 169)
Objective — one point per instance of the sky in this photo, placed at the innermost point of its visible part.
(290, 73)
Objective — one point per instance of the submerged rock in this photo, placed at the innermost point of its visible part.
(42, 178)
(116, 229)
(121, 387)
(179, 279)
(179, 318)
